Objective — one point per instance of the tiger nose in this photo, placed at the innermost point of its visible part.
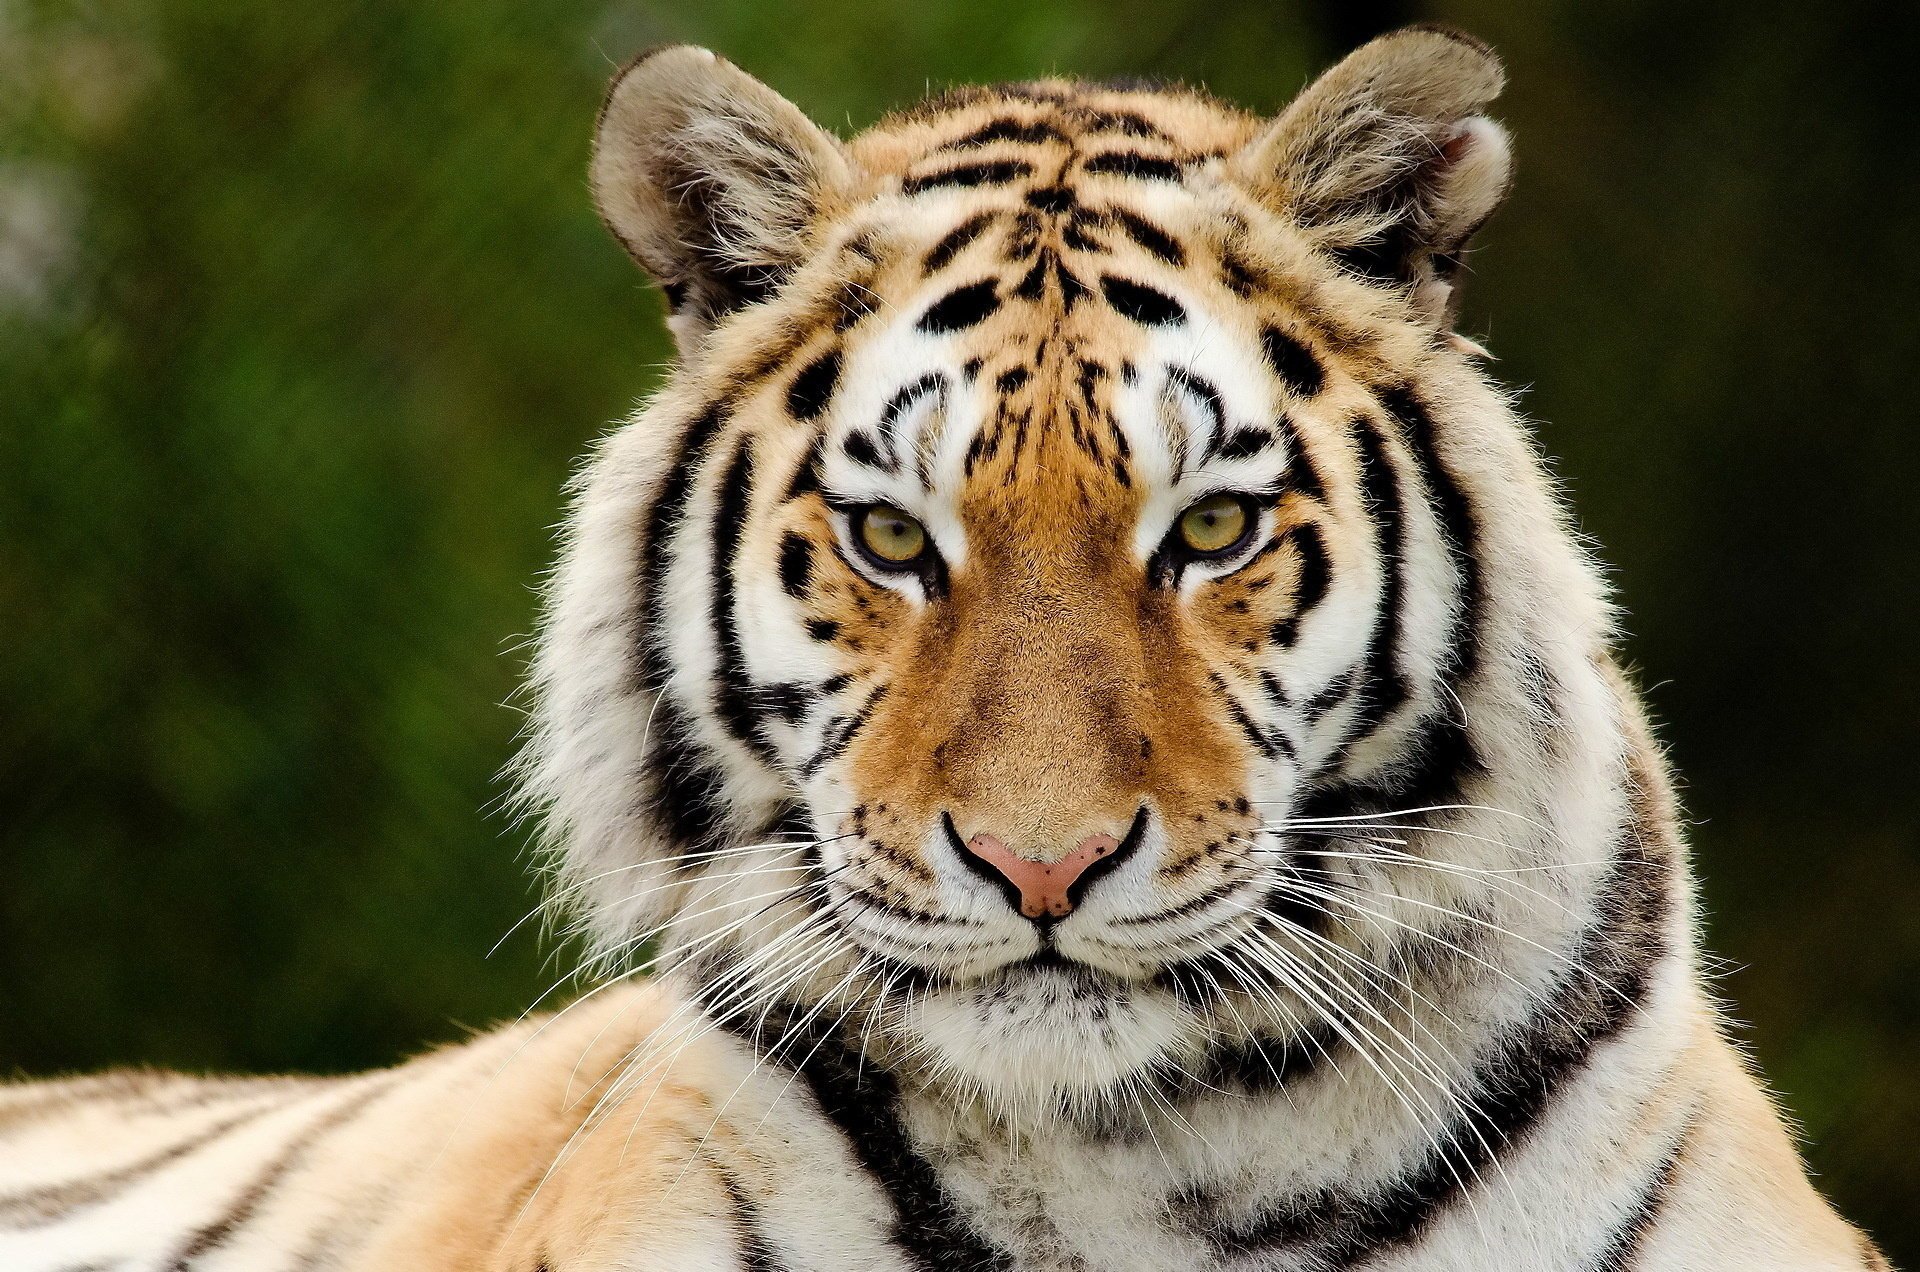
(1045, 887)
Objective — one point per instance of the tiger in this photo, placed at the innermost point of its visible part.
(1082, 698)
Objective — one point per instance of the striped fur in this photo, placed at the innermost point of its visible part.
(1392, 960)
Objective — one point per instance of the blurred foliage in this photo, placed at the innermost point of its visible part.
(304, 315)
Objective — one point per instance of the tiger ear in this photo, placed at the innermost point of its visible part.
(1387, 161)
(711, 180)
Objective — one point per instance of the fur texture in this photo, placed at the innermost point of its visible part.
(1392, 964)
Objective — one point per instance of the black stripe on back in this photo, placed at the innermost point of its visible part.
(1126, 122)
(1599, 994)
(52, 1203)
(733, 696)
(212, 1235)
(862, 1101)
(995, 172)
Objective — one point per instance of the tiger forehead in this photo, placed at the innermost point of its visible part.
(1043, 116)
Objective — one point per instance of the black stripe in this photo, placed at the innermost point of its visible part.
(50, 1203)
(1385, 688)
(1459, 525)
(961, 308)
(806, 477)
(955, 240)
(1128, 122)
(1315, 573)
(796, 563)
(862, 1100)
(756, 1252)
(1303, 475)
(1203, 392)
(1244, 443)
(241, 1209)
(1293, 362)
(812, 389)
(1129, 163)
(932, 383)
(1150, 236)
(1609, 971)
(1311, 583)
(1622, 1248)
(786, 699)
(840, 733)
(733, 693)
(998, 172)
(1271, 743)
(860, 447)
(1014, 130)
(1053, 200)
(688, 789)
(1143, 304)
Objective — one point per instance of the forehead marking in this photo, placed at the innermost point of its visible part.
(961, 308)
(1014, 130)
(954, 241)
(1143, 304)
(1131, 163)
(1292, 361)
(995, 172)
(1149, 236)
(812, 388)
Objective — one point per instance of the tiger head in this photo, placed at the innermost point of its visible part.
(1066, 500)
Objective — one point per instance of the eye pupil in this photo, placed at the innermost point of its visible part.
(1215, 524)
(891, 536)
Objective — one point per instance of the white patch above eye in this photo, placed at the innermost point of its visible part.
(1200, 412)
(897, 435)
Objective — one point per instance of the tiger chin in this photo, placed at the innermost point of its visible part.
(1085, 699)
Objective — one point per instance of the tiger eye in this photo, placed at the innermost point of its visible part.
(891, 536)
(1215, 524)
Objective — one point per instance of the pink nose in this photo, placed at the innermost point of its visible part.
(1043, 885)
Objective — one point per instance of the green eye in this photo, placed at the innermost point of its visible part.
(1215, 525)
(890, 537)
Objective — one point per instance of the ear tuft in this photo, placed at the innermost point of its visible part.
(1387, 161)
(714, 183)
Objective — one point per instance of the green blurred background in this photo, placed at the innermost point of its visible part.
(304, 315)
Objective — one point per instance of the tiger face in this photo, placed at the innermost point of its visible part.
(1045, 518)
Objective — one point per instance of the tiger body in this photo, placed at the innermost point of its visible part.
(1090, 698)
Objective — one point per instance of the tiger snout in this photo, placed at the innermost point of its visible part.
(1041, 890)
